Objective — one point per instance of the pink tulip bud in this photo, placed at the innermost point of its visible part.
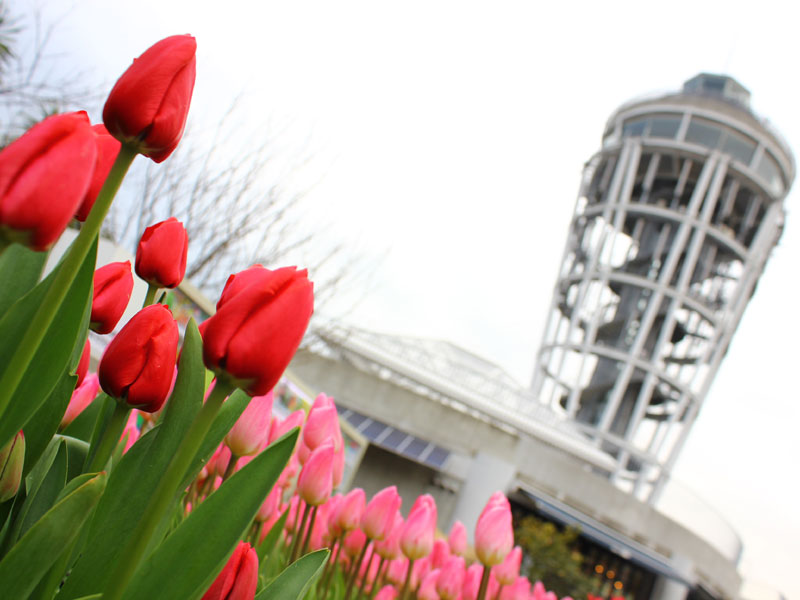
(315, 482)
(389, 547)
(472, 582)
(396, 572)
(508, 570)
(427, 589)
(348, 514)
(539, 591)
(131, 432)
(353, 543)
(303, 452)
(378, 516)
(338, 464)
(279, 428)
(550, 596)
(451, 578)
(83, 363)
(81, 398)
(218, 463)
(416, 539)
(494, 536)
(519, 590)
(251, 429)
(387, 592)
(418, 572)
(270, 505)
(440, 553)
(458, 539)
(320, 426)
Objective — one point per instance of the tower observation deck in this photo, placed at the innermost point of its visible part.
(675, 219)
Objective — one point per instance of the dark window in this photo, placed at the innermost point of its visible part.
(634, 128)
(704, 133)
(664, 127)
(739, 147)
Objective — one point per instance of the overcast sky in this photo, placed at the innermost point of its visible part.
(448, 138)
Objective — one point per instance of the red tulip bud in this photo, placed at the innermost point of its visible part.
(239, 577)
(138, 364)
(12, 458)
(148, 105)
(161, 254)
(113, 284)
(107, 151)
(260, 321)
(44, 176)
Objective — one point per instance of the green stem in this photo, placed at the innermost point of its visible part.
(356, 568)
(229, 470)
(299, 527)
(34, 334)
(378, 581)
(307, 538)
(98, 457)
(151, 294)
(129, 558)
(404, 593)
(484, 583)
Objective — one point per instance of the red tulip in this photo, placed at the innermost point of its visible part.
(138, 364)
(260, 321)
(44, 176)
(83, 363)
(378, 517)
(81, 398)
(494, 535)
(315, 482)
(161, 254)
(113, 284)
(239, 577)
(249, 434)
(148, 105)
(107, 150)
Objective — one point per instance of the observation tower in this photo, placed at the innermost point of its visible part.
(675, 219)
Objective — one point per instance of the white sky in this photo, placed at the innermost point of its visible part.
(450, 136)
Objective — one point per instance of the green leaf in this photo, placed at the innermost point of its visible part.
(44, 496)
(212, 530)
(135, 478)
(76, 455)
(31, 558)
(20, 270)
(60, 343)
(296, 579)
(44, 423)
(230, 411)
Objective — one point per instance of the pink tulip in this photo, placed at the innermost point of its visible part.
(338, 464)
(451, 578)
(508, 571)
(539, 591)
(472, 582)
(81, 398)
(387, 592)
(291, 517)
(353, 543)
(83, 363)
(550, 596)
(251, 429)
(389, 547)
(416, 538)
(440, 553)
(348, 514)
(131, 432)
(427, 589)
(494, 535)
(270, 505)
(396, 572)
(418, 572)
(315, 483)
(378, 517)
(458, 539)
(280, 428)
(519, 590)
(320, 426)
